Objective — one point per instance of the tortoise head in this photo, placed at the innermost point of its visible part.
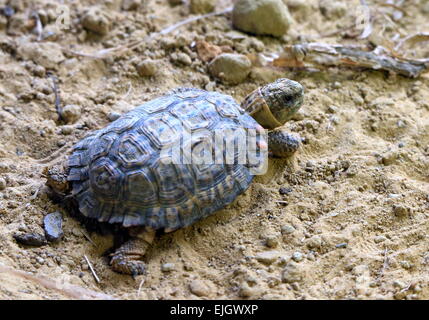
(57, 179)
(275, 103)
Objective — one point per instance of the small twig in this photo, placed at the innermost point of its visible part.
(322, 54)
(39, 26)
(282, 202)
(92, 269)
(57, 95)
(88, 238)
(392, 5)
(368, 25)
(140, 287)
(34, 196)
(130, 88)
(385, 264)
(54, 155)
(413, 39)
(407, 287)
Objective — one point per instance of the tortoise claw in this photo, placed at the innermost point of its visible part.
(126, 265)
(128, 258)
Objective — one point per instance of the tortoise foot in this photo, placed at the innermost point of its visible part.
(126, 264)
(128, 258)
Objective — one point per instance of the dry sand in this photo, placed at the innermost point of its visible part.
(352, 220)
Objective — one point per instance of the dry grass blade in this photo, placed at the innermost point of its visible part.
(57, 95)
(39, 26)
(69, 290)
(92, 269)
(88, 238)
(140, 287)
(366, 15)
(394, 6)
(136, 43)
(412, 40)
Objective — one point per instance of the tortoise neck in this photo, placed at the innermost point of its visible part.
(257, 107)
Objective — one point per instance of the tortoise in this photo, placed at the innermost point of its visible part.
(120, 174)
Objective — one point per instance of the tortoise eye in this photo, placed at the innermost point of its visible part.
(288, 99)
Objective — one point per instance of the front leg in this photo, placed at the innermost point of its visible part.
(127, 259)
(283, 144)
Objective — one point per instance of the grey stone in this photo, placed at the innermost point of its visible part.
(3, 184)
(262, 17)
(267, 257)
(53, 225)
(30, 239)
(168, 267)
(287, 229)
(230, 68)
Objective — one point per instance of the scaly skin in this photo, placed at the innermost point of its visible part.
(128, 258)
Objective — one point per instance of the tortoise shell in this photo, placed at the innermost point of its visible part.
(118, 175)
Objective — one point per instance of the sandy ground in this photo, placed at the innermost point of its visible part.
(346, 218)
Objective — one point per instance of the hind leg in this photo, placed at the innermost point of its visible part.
(128, 258)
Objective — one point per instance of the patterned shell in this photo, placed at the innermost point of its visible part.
(117, 175)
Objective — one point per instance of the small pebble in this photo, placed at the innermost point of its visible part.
(405, 264)
(199, 288)
(399, 284)
(71, 113)
(53, 224)
(336, 85)
(267, 257)
(7, 11)
(202, 6)
(400, 210)
(230, 68)
(77, 232)
(147, 68)
(245, 291)
(292, 273)
(271, 241)
(284, 190)
(183, 58)
(287, 229)
(168, 267)
(341, 245)
(129, 5)
(112, 116)
(333, 9)
(66, 130)
(3, 183)
(97, 21)
(378, 239)
(262, 17)
(297, 256)
(30, 239)
(314, 242)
